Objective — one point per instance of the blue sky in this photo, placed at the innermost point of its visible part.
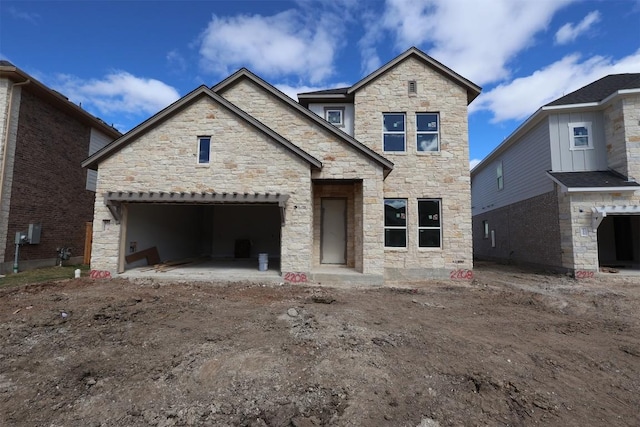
(126, 60)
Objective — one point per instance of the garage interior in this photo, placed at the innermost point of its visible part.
(203, 236)
(619, 242)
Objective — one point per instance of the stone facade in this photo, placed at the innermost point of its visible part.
(442, 175)
(242, 160)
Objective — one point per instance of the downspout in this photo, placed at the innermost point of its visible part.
(6, 137)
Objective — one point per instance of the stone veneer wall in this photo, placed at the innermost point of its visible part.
(581, 252)
(7, 147)
(622, 132)
(339, 161)
(242, 160)
(526, 232)
(441, 175)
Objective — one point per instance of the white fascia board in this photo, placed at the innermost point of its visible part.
(600, 189)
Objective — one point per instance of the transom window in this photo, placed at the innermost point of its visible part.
(393, 133)
(429, 223)
(204, 150)
(427, 130)
(335, 116)
(395, 223)
(580, 136)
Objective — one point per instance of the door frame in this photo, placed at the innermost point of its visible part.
(346, 231)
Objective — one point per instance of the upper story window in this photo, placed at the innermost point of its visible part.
(204, 150)
(580, 136)
(500, 176)
(393, 133)
(395, 223)
(335, 116)
(427, 132)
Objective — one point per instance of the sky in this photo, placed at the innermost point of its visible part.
(124, 61)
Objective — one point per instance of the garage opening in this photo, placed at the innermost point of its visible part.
(619, 242)
(214, 235)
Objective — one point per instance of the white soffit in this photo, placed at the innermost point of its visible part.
(598, 213)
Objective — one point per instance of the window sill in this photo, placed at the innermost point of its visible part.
(430, 249)
(203, 165)
(580, 148)
(393, 249)
(428, 153)
(397, 153)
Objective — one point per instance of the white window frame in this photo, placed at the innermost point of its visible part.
(485, 228)
(572, 136)
(199, 149)
(328, 110)
(439, 227)
(388, 132)
(422, 132)
(500, 175)
(397, 227)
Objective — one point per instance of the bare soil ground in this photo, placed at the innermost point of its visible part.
(510, 348)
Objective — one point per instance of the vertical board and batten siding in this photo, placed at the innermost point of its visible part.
(563, 158)
(347, 117)
(524, 167)
(97, 141)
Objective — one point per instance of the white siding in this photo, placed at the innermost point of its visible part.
(98, 140)
(348, 114)
(524, 167)
(563, 159)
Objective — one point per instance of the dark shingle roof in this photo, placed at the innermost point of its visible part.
(338, 91)
(600, 89)
(592, 179)
(5, 63)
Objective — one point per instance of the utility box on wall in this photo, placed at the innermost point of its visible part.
(33, 235)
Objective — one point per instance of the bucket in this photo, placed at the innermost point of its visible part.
(263, 262)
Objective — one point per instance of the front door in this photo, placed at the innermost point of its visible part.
(333, 243)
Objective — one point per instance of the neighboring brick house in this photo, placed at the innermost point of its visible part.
(562, 190)
(379, 188)
(44, 139)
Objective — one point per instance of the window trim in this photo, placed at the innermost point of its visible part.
(199, 149)
(436, 133)
(396, 227)
(403, 133)
(327, 110)
(419, 227)
(500, 175)
(572, 136)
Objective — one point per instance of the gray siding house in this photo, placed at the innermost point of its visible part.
(562, 190)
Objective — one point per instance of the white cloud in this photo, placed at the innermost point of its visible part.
(118, 92)
(568, 32)
(473, 163)
(288, 43)
(176, 61)
(32, 18)
(475, 38)
(518, 99)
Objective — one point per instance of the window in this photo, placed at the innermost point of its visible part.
(204, 149)
(580, 136)
(485, 228)
(393, 132)
(335, 116)
(427, 126)
(499, 176)
(429, 225)
(395, 223)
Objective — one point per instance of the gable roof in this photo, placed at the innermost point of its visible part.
(588, 98)
(202, 91)
(600, 89)
(473, 90)
(244, 73)
(15, 74)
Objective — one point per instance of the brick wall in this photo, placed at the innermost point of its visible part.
(526, 232)
(48, 181)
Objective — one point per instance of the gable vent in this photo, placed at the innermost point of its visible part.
(413, 87)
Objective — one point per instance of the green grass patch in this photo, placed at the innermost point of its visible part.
(44, 274)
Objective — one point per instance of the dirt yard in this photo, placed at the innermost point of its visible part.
(509, 348)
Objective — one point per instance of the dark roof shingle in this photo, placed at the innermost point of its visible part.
(592, 179)
(600, 89)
